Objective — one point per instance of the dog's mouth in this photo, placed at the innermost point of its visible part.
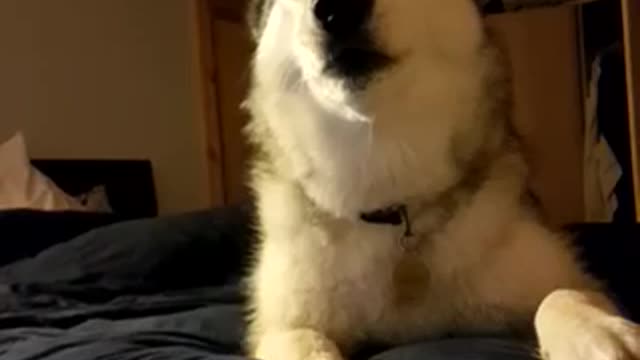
(356, 64)
(348, 46)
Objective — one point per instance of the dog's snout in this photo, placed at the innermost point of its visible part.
(341, 18)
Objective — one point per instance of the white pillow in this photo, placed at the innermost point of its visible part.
(24, 187)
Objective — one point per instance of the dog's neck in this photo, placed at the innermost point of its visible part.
(355, 174)
(349, 175)
(439, 208)
(416, 147)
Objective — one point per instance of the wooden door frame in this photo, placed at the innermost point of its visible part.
(631, 31)
(204, 73)
(205, 14)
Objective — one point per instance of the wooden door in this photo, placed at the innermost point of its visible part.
(226, 52)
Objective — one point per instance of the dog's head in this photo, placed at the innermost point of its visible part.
(353, 54)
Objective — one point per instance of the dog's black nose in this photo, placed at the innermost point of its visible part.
(342, 17)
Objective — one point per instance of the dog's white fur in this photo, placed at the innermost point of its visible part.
(323, 280)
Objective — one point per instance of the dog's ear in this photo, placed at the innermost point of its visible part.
(257, 13)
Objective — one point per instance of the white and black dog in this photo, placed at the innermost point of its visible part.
(392, 193)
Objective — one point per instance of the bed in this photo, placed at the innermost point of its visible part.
(170, 288)
(152, 288)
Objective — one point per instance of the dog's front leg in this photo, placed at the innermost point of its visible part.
(584, 325)
(296, 344)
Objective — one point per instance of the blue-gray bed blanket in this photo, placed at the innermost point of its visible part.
(145, 289)
(168, 288)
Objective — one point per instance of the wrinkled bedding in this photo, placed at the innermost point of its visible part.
(202, 324)
(145, 289)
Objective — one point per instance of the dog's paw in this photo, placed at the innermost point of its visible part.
(610, 339)
(298, 344)
(579, 328)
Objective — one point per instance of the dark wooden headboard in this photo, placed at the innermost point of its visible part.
(129, 183)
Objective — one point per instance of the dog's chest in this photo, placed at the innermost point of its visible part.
(409, 281)
(372, 277)
(396, 295)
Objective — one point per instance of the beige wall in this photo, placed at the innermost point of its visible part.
(106, 79)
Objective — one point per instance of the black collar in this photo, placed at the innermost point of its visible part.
(395, 215)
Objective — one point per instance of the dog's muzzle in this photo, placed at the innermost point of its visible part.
(348, 42)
